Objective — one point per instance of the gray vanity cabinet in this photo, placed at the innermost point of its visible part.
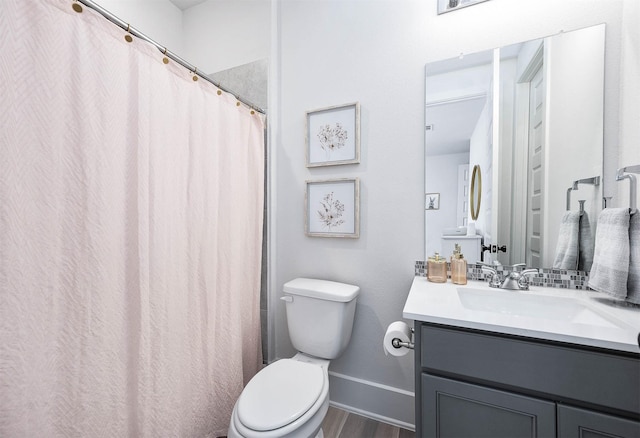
(471, 383)
(581, 423)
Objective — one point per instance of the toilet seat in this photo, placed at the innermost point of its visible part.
(283, 399)
(280, 394)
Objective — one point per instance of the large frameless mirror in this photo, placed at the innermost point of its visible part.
(530, 115)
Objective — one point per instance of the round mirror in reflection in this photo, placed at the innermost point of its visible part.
(475, 196)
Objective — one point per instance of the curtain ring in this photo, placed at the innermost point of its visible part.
(165, 59)
(128, 37)
(195, 74)
(76, 7)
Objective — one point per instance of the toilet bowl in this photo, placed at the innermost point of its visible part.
(289, 398)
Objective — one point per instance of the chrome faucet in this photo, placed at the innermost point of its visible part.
(519, 280)
(516, 280)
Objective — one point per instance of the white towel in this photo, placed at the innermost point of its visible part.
(585, 245)
(610, 267)
(567, 247)
(633, 281)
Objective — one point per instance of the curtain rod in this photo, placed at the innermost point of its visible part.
(127, 27)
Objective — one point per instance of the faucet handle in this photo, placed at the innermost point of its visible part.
(523, 280)
(495, 280)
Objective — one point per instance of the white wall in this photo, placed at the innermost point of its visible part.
(334, 52)
(160, 20)
(221, 34)
(331, 52)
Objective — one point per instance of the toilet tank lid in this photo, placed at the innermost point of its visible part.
(322, 289)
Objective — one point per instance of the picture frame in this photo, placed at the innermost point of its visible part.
(432, 201)
(445, 6)
(332, 208)
(332, 135)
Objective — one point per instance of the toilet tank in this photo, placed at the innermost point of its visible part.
(320, 315)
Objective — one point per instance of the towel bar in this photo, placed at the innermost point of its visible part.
(595, 180)
(624, 173)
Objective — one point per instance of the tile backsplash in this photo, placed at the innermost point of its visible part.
(560, 278)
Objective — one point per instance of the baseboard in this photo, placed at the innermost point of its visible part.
(373, 400)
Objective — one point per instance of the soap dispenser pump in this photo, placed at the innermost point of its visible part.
(458, 267)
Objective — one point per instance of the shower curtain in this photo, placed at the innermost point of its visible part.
(131, 203)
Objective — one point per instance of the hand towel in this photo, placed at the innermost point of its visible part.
(633, 281)
(567, 247)
(585, 244)
(610, 267)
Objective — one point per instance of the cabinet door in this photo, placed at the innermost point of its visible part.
(455, 409)
(575, 422)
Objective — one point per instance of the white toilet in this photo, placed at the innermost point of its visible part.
(290, 397)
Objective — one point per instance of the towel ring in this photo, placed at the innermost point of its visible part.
(626, 173)
(595, 180)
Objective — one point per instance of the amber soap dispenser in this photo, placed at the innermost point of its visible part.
(437, 269)
(458, 267)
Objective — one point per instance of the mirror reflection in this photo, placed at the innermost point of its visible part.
(530, 115)
(475, 199)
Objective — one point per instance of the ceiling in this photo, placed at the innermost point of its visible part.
(185, 4)
(451, 125)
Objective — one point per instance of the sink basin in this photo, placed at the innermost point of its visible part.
(530, 305)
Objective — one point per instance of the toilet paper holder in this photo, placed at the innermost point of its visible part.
(397, 343)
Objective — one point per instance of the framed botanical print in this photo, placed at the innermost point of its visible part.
(332, 208)
(333, 135)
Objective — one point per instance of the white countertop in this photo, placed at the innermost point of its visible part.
(574, 316)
